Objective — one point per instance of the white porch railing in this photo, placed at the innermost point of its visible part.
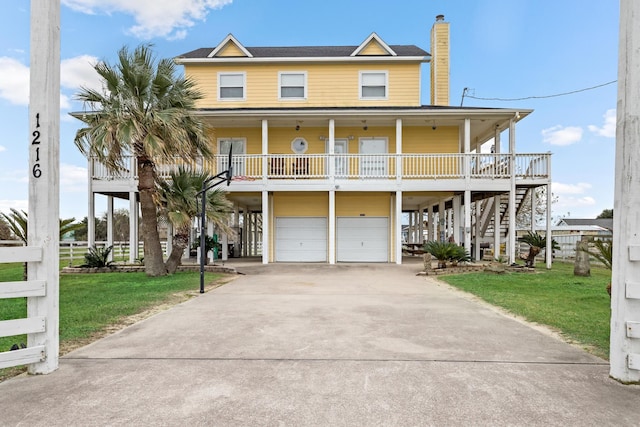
(356, 166)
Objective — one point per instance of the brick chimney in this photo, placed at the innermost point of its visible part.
(440, 62)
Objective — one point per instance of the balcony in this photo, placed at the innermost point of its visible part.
(527, 168)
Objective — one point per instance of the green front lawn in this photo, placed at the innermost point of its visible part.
(89, 303)
(577, 307)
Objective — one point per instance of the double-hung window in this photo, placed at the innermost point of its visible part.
(293, 85)
(231, 86)
(373, 85)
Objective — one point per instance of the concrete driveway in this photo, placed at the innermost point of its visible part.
(321, 345)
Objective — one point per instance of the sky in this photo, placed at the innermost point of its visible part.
(531, 49)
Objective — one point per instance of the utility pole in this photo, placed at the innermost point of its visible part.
(625, 293)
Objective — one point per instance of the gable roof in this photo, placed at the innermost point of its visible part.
(600, 222)
(301, 53)
(376, 40)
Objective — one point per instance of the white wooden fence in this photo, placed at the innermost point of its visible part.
(29, 325)
(72, 252)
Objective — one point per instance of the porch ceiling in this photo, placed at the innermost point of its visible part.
(484, 122)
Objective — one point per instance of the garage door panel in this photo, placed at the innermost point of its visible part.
(362, 239)
(301, 239)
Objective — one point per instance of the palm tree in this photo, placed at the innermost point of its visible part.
(18, 222)
(143, 109)
(536, 243)
(178, 198)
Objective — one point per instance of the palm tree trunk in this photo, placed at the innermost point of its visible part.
(180, 243)
(153, 262)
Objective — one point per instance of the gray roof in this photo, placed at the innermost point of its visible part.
(306, 51)
(600, 222)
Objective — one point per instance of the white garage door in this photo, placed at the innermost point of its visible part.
(301, 239)
(363, 239)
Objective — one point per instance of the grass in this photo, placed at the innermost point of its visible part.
(90, 304)
(577, 307)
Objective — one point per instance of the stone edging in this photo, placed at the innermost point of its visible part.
(140, 268)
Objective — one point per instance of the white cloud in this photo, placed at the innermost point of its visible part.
(571, 196)
(558, 135)
(2, 148)
(20, 205)
(73, 179)
(79, 71)
(154, 18)
(579, 188)
(74, 73)
(608, 129)
(14, 84)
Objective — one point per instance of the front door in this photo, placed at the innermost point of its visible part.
(373, 158)
(341, 149)
(238, 147)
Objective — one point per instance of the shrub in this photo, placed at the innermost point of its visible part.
(446, 251)
(98, 257)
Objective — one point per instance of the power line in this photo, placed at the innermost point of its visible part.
(466, 90)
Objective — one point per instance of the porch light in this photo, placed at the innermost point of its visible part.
(365, 127)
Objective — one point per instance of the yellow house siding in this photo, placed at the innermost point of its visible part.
(230, 49)
(373, 48)
(328, 84)
(295, 204)
(426, 140)
(359, 203)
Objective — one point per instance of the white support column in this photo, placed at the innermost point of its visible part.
(332, 227)
(398, 227)
(133, 227)
(332, 150)
(399, 151)
(265, 227)
(467, 220)
(496, 205)
(441, 221)
(625, 292)
(421, 225)
(91, 218)
(255, 233)
(110, 224)
(512, 192)
(449, 223)
(44, 177)
(476, 231)
(429, 222)
(534, 201)
(246, 227)
(549, 249)
(434, 224)
(265, 148)
(224, 240)
(457, 223)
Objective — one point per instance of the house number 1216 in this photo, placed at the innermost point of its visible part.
(36, 171)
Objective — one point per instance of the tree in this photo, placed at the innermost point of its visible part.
(538, 213)
(143, 109)
(536, 243)
(179, 200)
(18, 222)
(5, 231)
(606, 213)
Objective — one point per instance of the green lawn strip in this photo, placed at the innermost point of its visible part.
(89, 303)
(577, 307)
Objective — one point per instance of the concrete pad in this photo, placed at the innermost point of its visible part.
(358, 344)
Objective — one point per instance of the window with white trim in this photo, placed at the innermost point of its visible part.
(231, 86)
(373, 84)
(293, 85)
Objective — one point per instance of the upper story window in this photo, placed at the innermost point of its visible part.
(373, 84)
(293, 85)
(231, 86)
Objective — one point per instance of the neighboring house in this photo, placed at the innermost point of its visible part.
(331, 145)
(599, 222)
